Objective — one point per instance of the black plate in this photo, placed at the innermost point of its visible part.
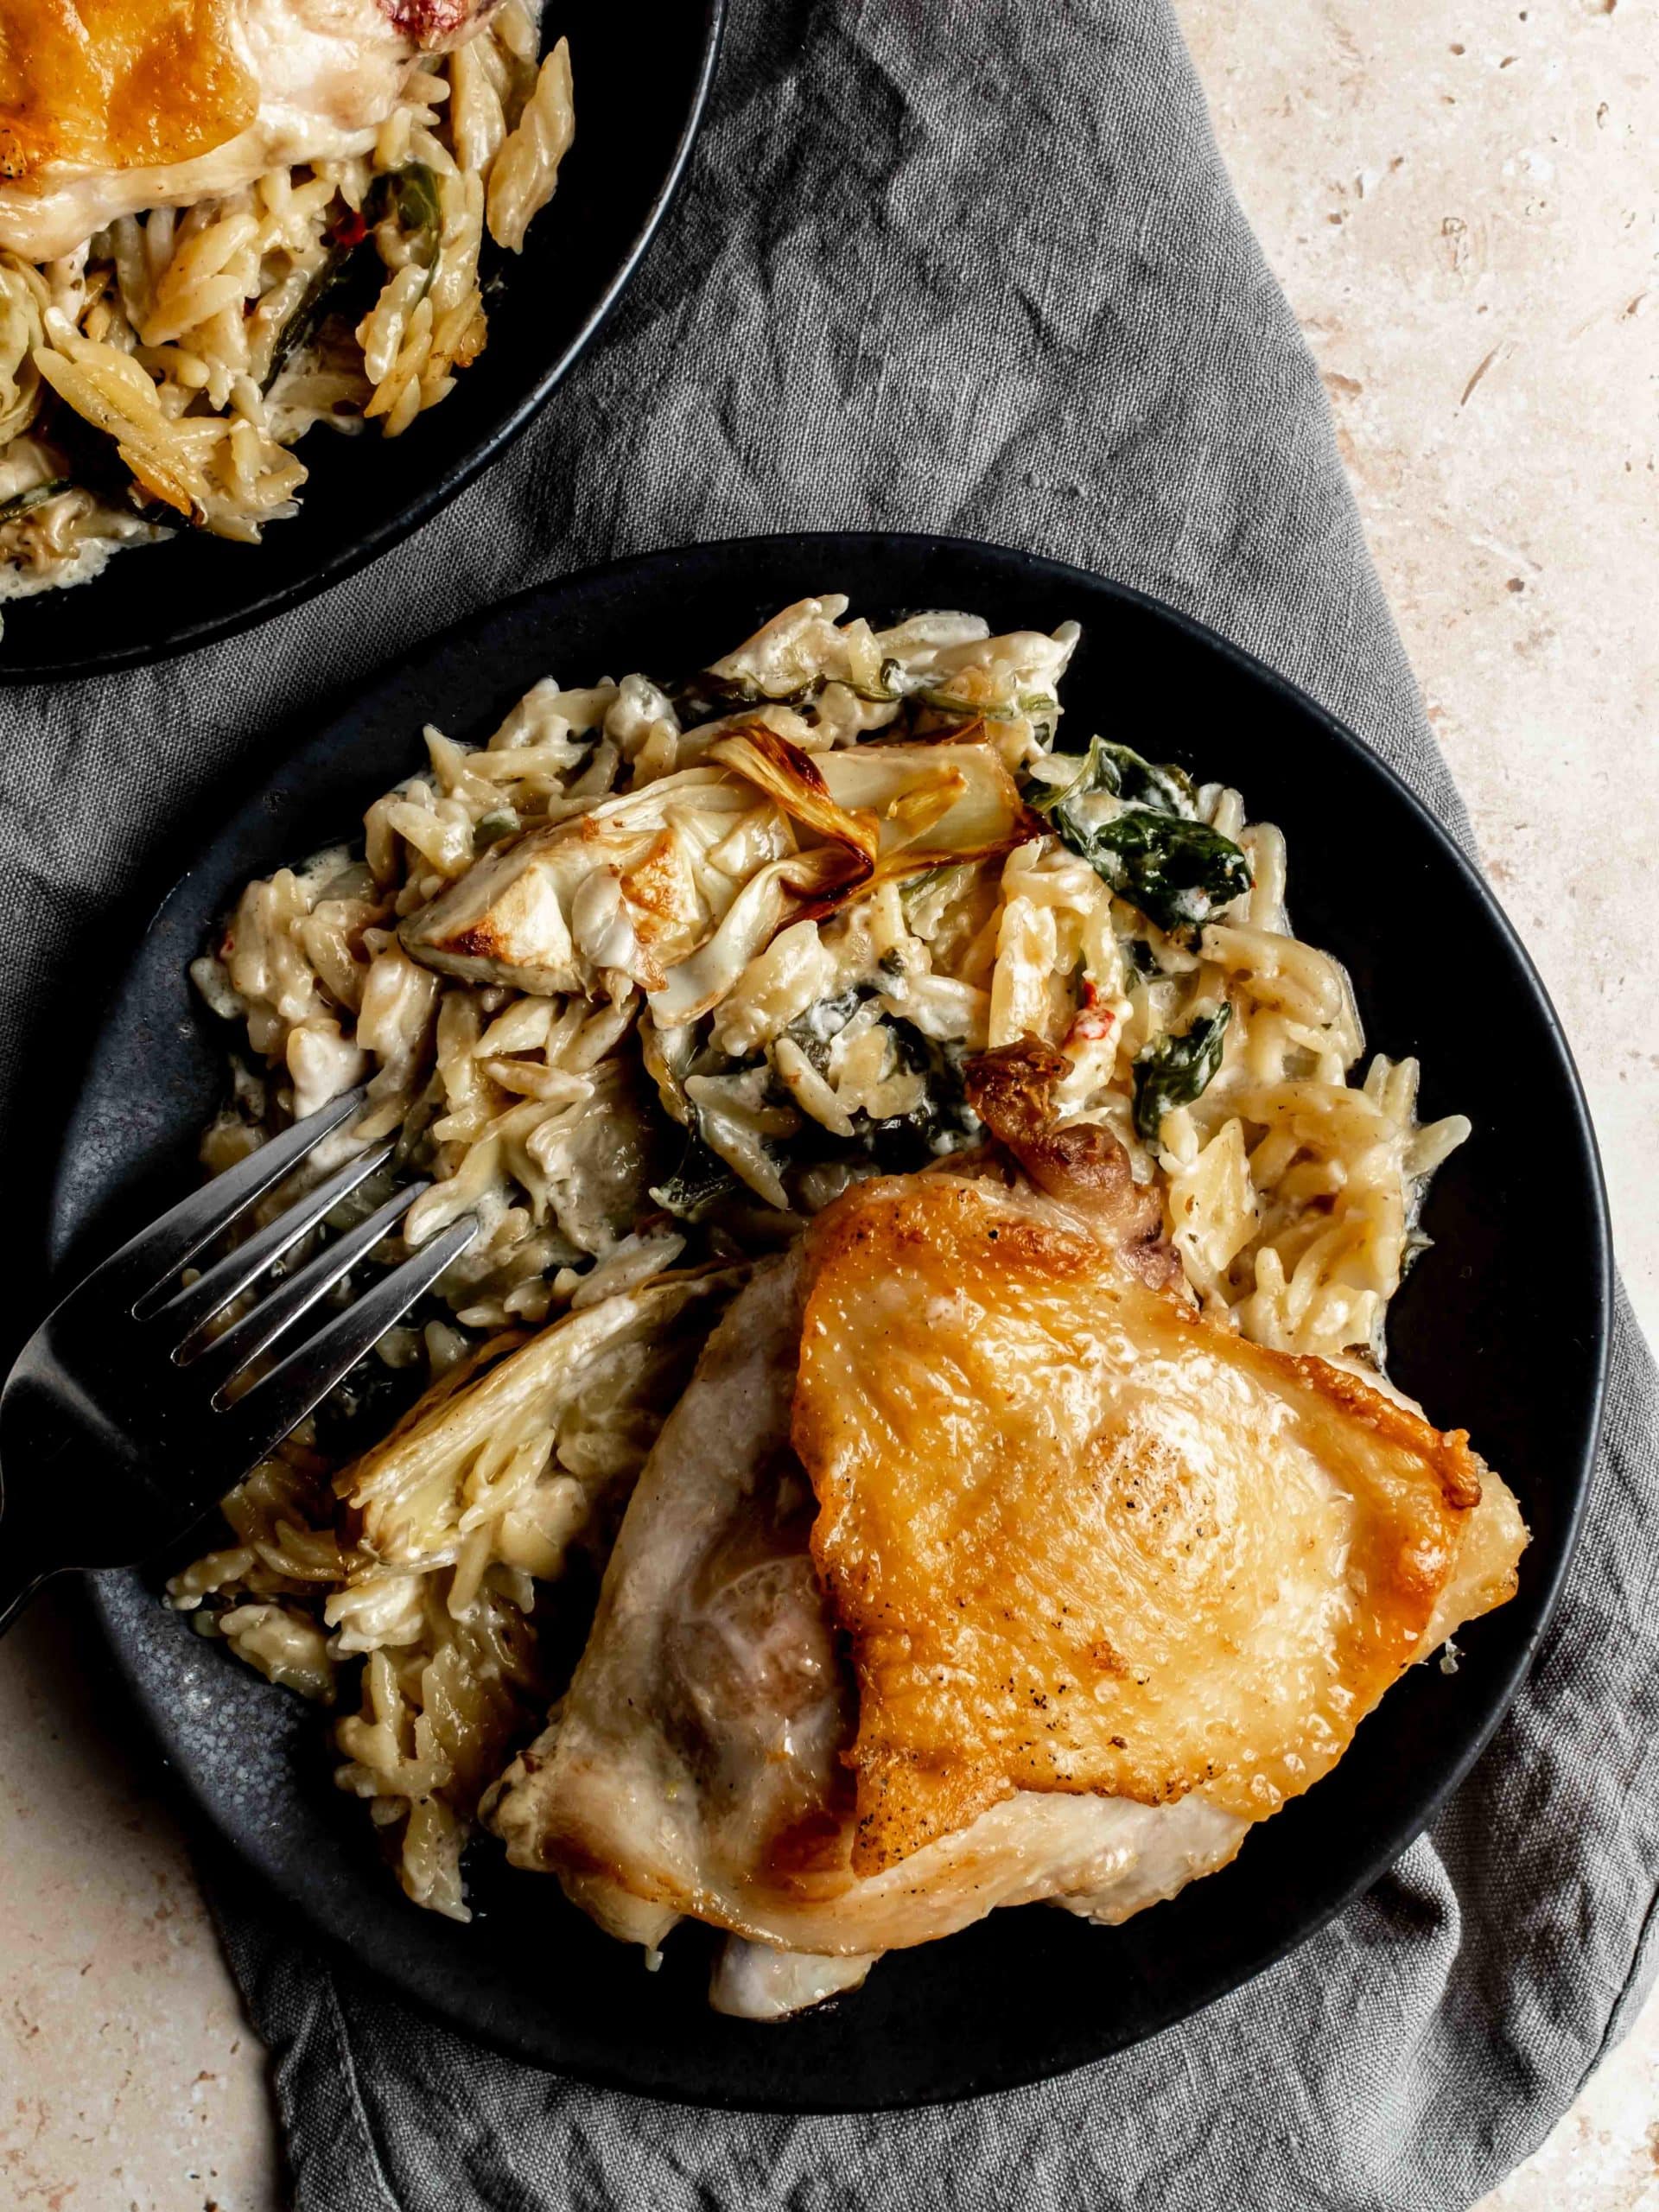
(639, 95)
(1502, 1328)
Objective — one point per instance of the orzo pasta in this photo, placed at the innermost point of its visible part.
(642, 982)
(159, 374)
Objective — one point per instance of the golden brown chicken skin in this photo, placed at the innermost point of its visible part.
(108, 107)
(1082, 1538)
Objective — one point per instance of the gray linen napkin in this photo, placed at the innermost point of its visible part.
(972, 265)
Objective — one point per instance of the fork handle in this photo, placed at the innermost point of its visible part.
(22, 1567)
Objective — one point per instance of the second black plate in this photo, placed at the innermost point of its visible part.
(1503, 1329)
(640, 86)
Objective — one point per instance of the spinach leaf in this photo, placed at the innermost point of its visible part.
(1041, 708)
(942, 1122)
(92, 460)
(1176, 873)
(346, 280)
(410, 196)
(1169, 788)
(1177, 1070)
(1119, 771)
(817, 1029)
(489, 829)
(1153, 853)
(317, 302)
(1042, 711)
(704, 696)
(699, 1181)
(21, 503)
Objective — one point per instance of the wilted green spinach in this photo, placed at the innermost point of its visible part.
(1153, 851)
(1177, 1069)
(344, 281)
(942, 1118)
(700, 1180)
(23, 502)
(410, 196)
(704, 696)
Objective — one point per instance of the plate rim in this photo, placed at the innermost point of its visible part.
(437, 492)
(236, 794)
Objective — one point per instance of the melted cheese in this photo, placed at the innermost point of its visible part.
(1083, 1540)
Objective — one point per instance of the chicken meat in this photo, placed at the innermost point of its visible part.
(108, 107)
(974, 1568)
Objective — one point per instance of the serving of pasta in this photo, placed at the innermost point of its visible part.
(645, 982)
(267, 217)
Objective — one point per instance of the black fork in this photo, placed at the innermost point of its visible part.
(123, 1420)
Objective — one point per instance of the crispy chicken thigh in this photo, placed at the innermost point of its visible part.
(976, 1568)
(1082, 1540)
(697, 1767)
(110, 106)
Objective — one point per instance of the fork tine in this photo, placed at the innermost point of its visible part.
(217, 1362)
(189, 1310)
(151, 1260)
(264, 1415)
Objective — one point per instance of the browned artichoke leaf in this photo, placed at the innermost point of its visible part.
(534, 1445)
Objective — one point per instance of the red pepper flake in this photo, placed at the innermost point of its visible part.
(351, 230)
(1095, 1022)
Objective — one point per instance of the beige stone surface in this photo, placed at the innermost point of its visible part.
(129, 2079)
(1463, 202)
(1461, 199)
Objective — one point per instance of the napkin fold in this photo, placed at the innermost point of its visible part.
(973, 266)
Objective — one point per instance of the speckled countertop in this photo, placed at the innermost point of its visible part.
(1462, 198)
